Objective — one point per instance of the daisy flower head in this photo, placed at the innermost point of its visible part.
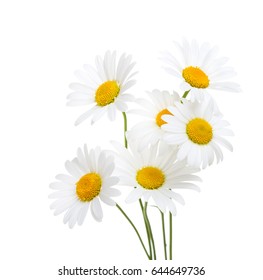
(200, 69)
(149, 131)
(154, 173)
(88, 183)
(104, 88)
(198, 131)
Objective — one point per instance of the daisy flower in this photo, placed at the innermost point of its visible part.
(198, 131)
(200, 69)
(88, 183)
(103, 89)
(149, 131)
(154, 173)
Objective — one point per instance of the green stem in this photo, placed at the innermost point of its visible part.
(171, 235)
(150, 230)
(147, 229)
(146, 222)
(134, 227)
(164, 237)
(170, 215)
(148, 234)
(125, 129)
(186, 93)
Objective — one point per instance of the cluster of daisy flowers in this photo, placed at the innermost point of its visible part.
(176, 137)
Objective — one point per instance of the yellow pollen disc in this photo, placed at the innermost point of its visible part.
(159, 120)
(106, 93)
(88, 186)
(150, 178)
(199, 131)
(195, 77)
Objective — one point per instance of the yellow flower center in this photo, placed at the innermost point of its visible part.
(159, 120)
(106, 93)
(88, 186)
(150, 178)
(195, 77)
(199, 131)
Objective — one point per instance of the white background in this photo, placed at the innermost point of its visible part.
(42, 44)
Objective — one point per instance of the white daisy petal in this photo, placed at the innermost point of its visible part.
(74, 216)
(62, 205)
(172, 72)
(210, 56)
(226, 86)
(71, 212)
(66, 178)
(77, 87)
(80, 96)
(217, 64)
(126, 97)
(160, 200)
(224, 73)
(85, 115)
(72, 169)
(175, 196)
(184, 185)
(77, 102)
(105, 199)
(82, 161)
(225, 132)
(124, 152)
(204, 156)
(218, 152)
(172, 61)
(110, 191)
(60, 186)
(224, 142)
(62, 194)
(121, 106)
(128, 85)
(98, 114)
(92, 74)
(171, 207)
(186, 51)
(111, 112)
(83, 77)
(82, 214)
(111, 181)
(127, 71)
(106, 64)
(146, 196)
(210, 154)
(100, 68)
(120, 66)
(187, 177)
(134, 195)
(96, 209)
(184, 150)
